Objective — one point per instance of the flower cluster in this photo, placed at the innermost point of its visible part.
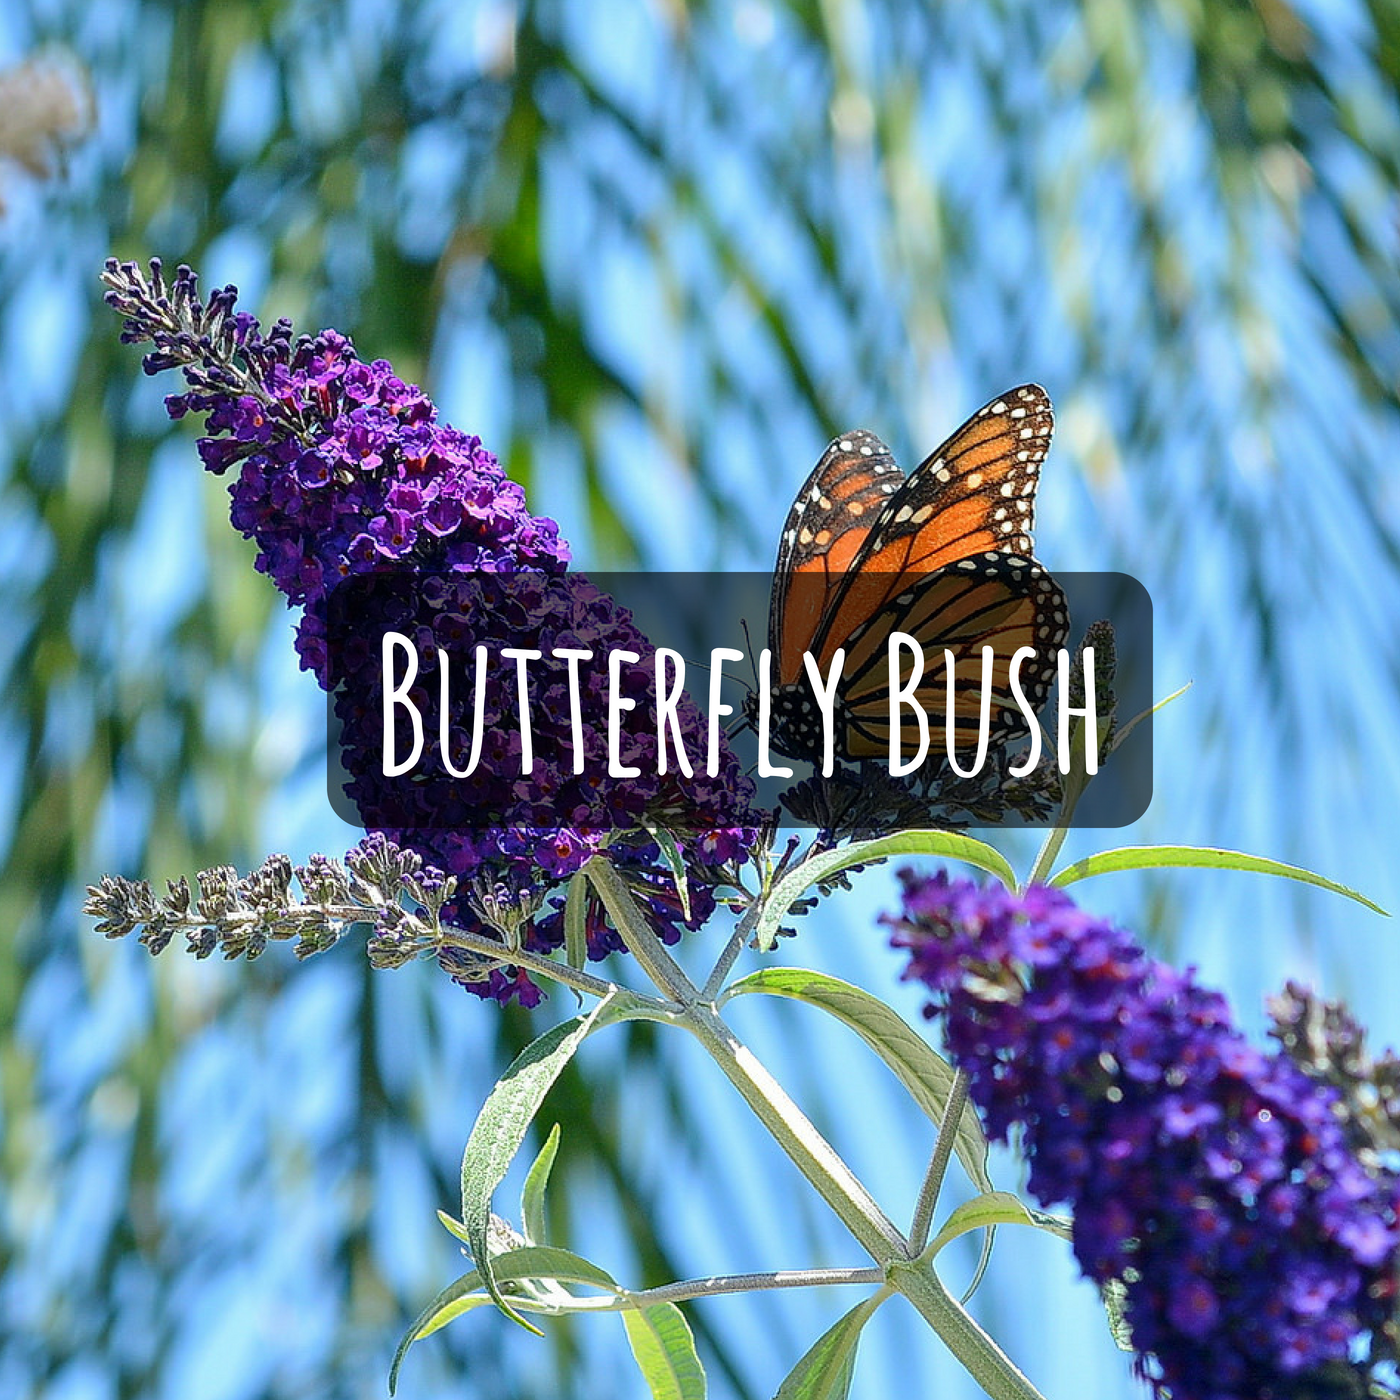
(343, 468)
(1213, 1180)
(344, 472)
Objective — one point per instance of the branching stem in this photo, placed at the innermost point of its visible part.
(938, 1163)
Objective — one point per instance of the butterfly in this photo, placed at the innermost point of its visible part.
(944, 555)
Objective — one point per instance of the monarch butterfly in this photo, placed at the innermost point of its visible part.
(944, 555)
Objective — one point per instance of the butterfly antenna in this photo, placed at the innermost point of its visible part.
(737, 725)
(748, 642)
(708, 669)
(745, 719)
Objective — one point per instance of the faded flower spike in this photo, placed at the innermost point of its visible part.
(339, 470)
(239, 917)
(1214, 1181)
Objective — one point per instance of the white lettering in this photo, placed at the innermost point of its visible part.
(617, 702)
(398, 695)
(445, 711)
(668, 710)
(718, 709)
(521, 655)
(901, 695)
(572, 656)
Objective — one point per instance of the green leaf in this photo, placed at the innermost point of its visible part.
(454, 1227)
(1197, 857)
(952, 845)
(576, 921)
(825, 1371)
(533, 1262)
(532, 1214)
(665, 1352)
(458, 1297)
(983, 1259)
(672, 854)
(1124, 730)
(921, 1069)
(544, 1261)
(996, 1208)
(506, 1117)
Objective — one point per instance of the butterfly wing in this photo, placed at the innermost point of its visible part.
(827, 528)
(1005, 601)
(972, 496)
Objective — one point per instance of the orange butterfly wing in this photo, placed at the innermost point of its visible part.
(944, 555)
(1005, 601)
(826, 529)
(974, 495)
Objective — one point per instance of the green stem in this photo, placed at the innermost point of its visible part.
(817, 1160)
(938, 1164)
(1075, 781)
(1050, 848)
(732, 949)
(984, 1360)
(573, 977)
(688, 1289)
(642, 943)
(813, 1155)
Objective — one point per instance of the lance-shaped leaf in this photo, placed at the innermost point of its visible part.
(1197, 857)
(665, 1352)
(1123, 731)
(951, 845)
(530, 1265)
(828, 1366)
(922, 1070)
(506, 1117)
(1002, 1208)
(458, 1297)
(996, 1208)
(675, 862)
(576, 920)
(532, 1213)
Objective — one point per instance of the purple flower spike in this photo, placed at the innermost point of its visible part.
(342, 469)
(1215, 1181)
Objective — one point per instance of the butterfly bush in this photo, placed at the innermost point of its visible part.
(1213, 1180)
(340, 470)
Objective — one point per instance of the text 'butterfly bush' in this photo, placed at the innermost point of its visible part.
(345, 470)
(1215, 1181)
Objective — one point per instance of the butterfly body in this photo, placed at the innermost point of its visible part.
(795, 723)
(944, 555)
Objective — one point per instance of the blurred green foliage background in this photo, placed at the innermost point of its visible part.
(655, 253)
